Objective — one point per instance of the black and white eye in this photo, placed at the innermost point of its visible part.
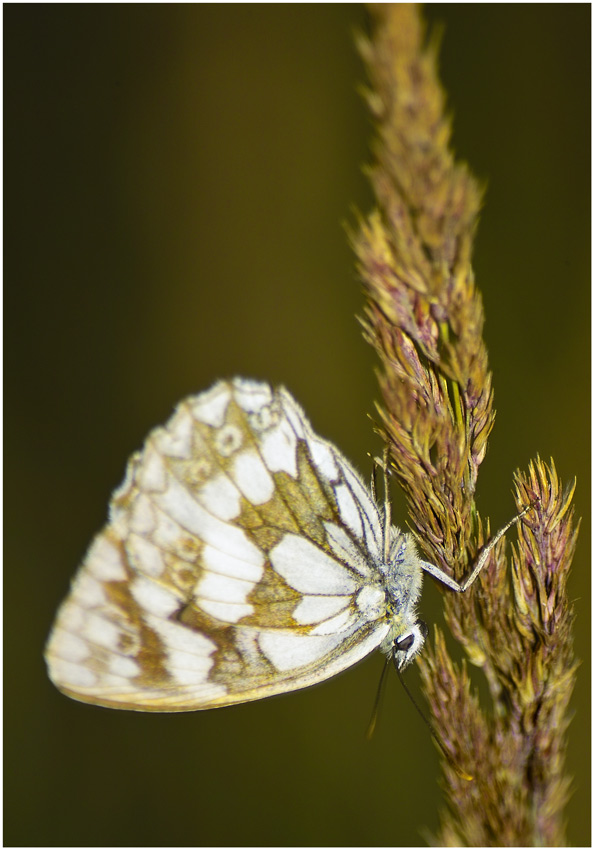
(404, 643)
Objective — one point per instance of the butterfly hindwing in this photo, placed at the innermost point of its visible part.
(239, 560)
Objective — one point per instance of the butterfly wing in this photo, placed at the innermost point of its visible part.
(239, 561)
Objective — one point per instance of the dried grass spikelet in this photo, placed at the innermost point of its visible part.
(424, 317)
(518, 629)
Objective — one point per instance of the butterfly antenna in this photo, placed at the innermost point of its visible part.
(373, 476)
(381, 690)
(387, 508)
(461, 773)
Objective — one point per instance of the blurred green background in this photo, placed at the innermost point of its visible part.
(176, 183)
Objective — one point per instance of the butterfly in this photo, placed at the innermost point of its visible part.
(243, 557)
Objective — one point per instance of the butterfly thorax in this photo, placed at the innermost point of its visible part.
(403, 580)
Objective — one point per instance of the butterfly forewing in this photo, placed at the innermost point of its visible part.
(240, 560)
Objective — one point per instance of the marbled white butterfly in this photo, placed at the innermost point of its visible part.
(243, 557)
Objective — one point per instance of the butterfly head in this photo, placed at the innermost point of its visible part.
(406, 645)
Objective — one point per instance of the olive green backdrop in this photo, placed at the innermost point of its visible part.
(176, 183)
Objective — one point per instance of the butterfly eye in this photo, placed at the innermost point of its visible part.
(411, 641)
(404, 643)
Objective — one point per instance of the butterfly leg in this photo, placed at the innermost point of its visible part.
(439, 574)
